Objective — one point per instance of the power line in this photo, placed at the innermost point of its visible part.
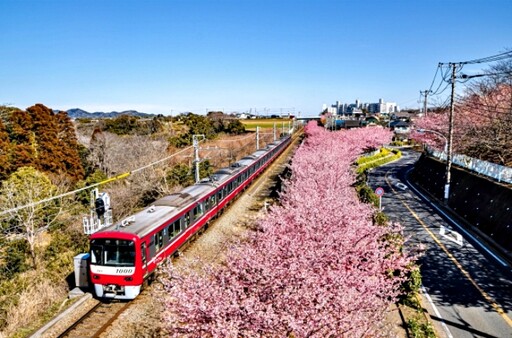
(111, 179)
(493, 58)
(456, 67)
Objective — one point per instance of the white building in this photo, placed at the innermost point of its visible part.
(384, 108)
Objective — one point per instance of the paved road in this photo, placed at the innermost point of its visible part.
(468, 287)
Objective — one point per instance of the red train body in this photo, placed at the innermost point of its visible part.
(125, 254)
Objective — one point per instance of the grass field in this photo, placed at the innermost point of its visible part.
(251, 124)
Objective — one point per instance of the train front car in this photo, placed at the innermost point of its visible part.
(127, 253)
(116, 265)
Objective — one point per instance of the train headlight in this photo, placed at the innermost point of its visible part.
(95, 277)
(128, 279)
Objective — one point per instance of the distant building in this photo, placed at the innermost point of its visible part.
(345, 109)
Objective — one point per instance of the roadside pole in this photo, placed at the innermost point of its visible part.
(379, 192)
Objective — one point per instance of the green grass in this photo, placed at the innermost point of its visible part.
(381, 158)
(251, 124)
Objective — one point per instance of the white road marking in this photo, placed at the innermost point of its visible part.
(436, 311)
(460, 228)
(451, 235)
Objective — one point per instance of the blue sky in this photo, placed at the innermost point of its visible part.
(173, 56)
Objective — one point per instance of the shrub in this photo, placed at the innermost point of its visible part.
(14, 260)
(367, 195)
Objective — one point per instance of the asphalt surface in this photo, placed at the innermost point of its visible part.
(467, 286)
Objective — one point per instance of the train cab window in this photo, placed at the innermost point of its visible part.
(112, 252)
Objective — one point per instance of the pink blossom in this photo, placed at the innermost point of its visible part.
(317, 267)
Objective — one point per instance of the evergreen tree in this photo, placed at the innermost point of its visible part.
(57, 146)
(5, 163)
(70, 146)
(22, 139)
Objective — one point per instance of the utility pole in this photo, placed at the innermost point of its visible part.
(450, 137)
(195, 143)
(426, 92)
(275, 137)
(257, 137)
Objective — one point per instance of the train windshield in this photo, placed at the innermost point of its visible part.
(112, 252)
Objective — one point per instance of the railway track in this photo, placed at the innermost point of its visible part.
(93, 323)
(97, 321)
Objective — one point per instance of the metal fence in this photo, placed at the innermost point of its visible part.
(495, 171)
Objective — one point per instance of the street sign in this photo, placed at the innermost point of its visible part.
(379, 191)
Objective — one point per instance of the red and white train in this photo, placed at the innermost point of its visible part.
(126, 254)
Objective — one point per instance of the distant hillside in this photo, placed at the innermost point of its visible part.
(79, 113)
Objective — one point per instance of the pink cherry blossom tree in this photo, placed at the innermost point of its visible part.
(315, 267)
(482, 124)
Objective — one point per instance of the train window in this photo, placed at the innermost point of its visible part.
(212, 201)
(186, 220)
(166, 235)
(160, 239)
(198, 210)
(157, 244)
(176, 228)
(143, 251)
(152, 247)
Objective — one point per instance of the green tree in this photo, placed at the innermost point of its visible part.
(13, 257)
(180, 174)
(23, 188)
(122, 125)
(235, 127)
(199, 125)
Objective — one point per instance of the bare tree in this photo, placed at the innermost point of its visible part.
(24, 188)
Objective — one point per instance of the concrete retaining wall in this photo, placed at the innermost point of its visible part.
(485, 204)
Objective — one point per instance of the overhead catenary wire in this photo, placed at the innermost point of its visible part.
(109, 180)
